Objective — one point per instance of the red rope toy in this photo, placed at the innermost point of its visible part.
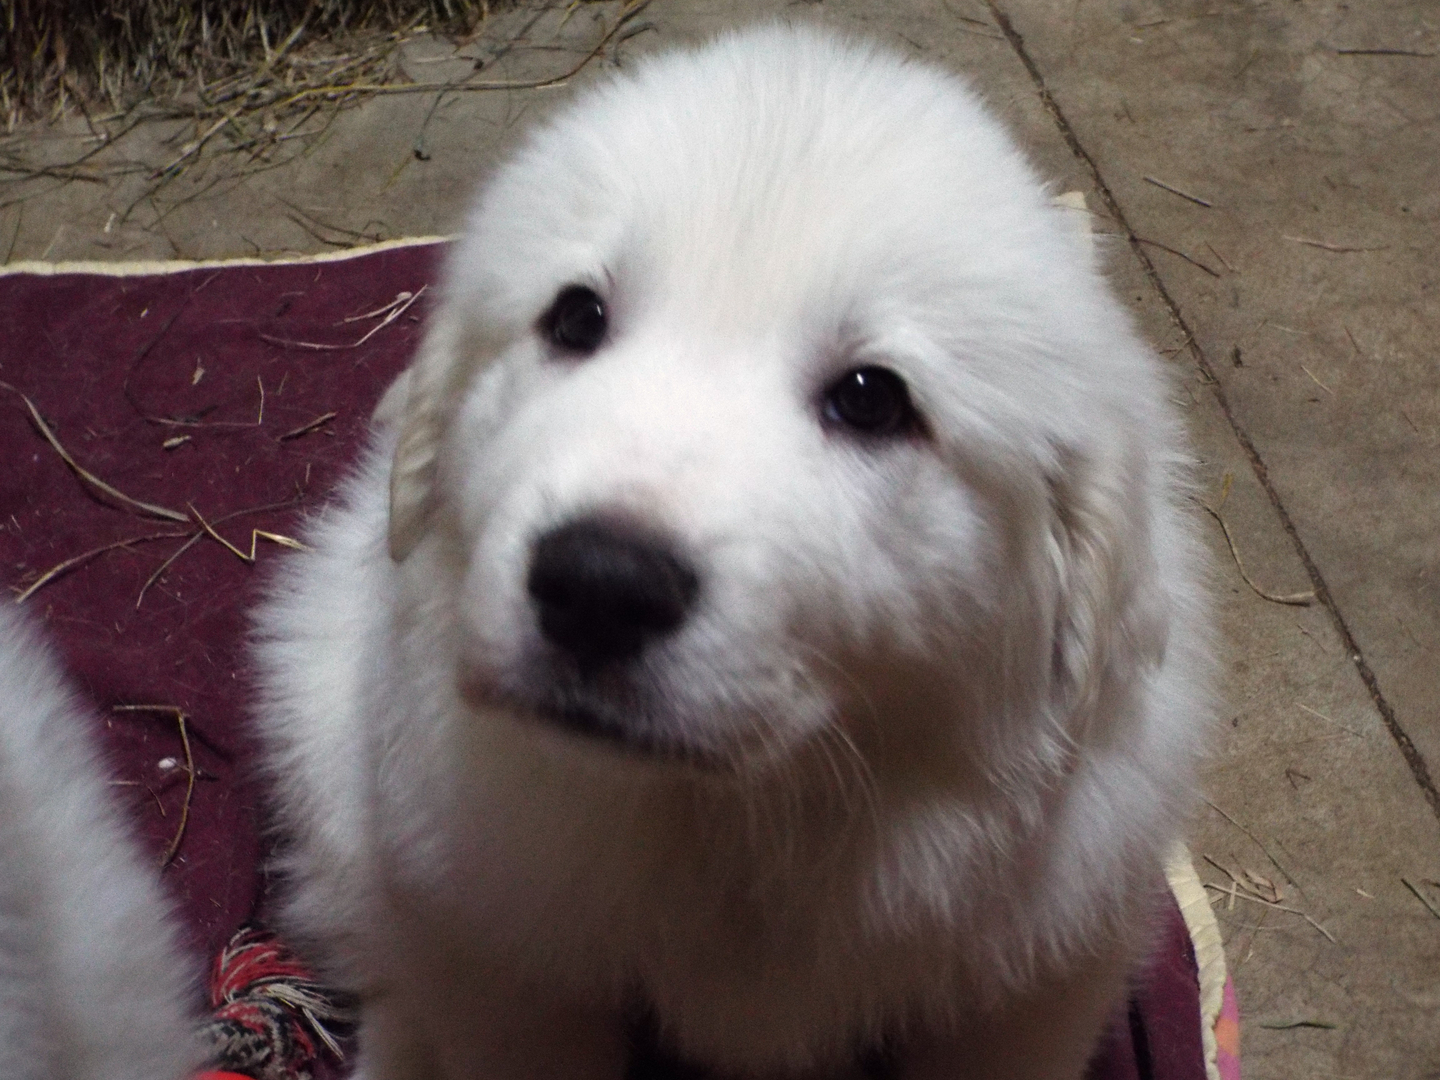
(271, 1019)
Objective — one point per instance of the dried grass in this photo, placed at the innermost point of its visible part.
(1253, 888)
(236, 92)
(173, 848)
(110, 53)
(148, 509)
(203, 528)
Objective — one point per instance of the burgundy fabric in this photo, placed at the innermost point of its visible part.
(119, 365)
(107, 361)
(1157, 1036)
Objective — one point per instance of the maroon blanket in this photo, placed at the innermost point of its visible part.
(243, 392)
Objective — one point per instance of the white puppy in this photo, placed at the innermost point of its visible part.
(91, 981)
(766, 610)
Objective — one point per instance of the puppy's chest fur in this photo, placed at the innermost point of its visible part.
(751, 928)
(740, 955)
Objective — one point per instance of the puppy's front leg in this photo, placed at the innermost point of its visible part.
(492, 1029)
(392, 1045)
(495, 1028)
(1048, 1035)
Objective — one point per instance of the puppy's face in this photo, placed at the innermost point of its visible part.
(678, 532)
(742, 427)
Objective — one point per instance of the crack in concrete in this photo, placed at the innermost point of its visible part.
(1419, 770)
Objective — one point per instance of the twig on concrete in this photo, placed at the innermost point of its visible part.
(1278, 907)
(1261, 845)
(298, 220)
(1328, 720)
(1429, 904)
(1300, 599)
(1382, 52)
(1251, 882)
(1323, 246)
(1358, 351)
(54, 172)
(1315, 379)
(1176, 191)
(1173, 251)
(195, 145)
(1223, 261)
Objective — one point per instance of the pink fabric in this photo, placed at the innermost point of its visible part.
(1227, 1034)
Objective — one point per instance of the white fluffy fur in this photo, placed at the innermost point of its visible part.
(954, 684)
(91, 981)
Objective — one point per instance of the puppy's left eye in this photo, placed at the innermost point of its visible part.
(872, 401)
(576, 320)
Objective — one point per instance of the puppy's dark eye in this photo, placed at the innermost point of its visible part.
(870, 400)
(576, 321)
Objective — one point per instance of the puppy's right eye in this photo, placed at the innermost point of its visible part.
(576, 321)
(872, 401)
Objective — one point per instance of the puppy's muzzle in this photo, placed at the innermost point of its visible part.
(604, 589)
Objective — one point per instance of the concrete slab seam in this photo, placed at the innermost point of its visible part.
(1419, 770)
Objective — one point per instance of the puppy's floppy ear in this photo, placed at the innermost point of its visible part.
(422, 400)
(1111, 613)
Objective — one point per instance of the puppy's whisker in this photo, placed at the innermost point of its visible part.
(834, 771)
(861, 693)
(834, 729)
(862, 775)
(752, 767)
(781, 788)
(784, 785)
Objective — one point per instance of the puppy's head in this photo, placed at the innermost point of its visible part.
(770, 403)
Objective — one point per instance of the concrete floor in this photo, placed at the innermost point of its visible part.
(1293, 286)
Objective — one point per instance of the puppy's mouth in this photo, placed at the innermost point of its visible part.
(598, 726)
(592, 717)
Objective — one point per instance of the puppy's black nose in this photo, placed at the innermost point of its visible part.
(603, 588)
